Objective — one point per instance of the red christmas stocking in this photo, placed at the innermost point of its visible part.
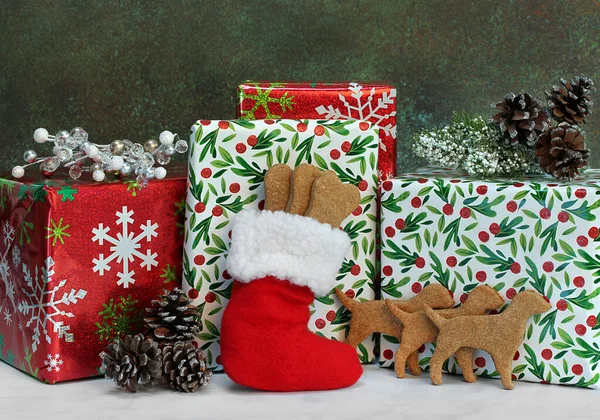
(279, 262)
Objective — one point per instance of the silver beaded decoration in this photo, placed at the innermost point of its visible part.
(124, 158)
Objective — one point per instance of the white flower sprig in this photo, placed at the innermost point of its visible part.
(474, 145)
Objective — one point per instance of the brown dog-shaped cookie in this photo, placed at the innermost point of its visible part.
(301, 188)
(374, 316)
(331, 201)
(277, 187)
(418, 328)
(500, 335)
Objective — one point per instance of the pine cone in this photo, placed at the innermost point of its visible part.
(184, 367)
(521, 119)
(561, 151)
(572, 101)
(131, 361)
(172, 318)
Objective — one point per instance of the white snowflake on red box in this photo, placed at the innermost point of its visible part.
(125, 247)
(368, 110)
(42, 306)
(53, 362)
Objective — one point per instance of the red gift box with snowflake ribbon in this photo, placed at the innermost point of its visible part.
(373, 102)
(79, 261)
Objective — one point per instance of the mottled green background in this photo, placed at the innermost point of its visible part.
(129, 69)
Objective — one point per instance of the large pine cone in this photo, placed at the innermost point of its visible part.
(572, 101)
(131, 361)
(521, 118)
(184, 367)
(561, 151)
(172, 318)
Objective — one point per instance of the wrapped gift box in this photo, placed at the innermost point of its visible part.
(440, 226)
(228, 161)
(79, 261)
(373, 102)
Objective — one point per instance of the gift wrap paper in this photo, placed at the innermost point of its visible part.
(440, 226)
(228, 161)
(79, 261)
(373, 102)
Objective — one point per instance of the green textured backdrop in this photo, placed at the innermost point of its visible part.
(129, 69)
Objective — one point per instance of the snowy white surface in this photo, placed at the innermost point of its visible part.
(378, 395)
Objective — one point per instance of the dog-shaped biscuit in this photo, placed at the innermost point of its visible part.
(374, 316)
(500, 335)
(418, 328)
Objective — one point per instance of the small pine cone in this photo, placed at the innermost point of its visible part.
(572, 101)
(561, 151)
(132, 360)
(172, 318)
(184, 367)
(521, 118)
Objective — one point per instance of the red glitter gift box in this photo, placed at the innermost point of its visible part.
(79, 261)
(374, 102)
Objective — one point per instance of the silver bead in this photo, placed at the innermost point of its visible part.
(75, 171)
(162, 158)
(30, 156)
(137, 149)
(150, 145)
(125, 169)
(95, 167)
(50, 164)
(79, 134)
(169, 150)
(64, 154)
(181, 146)
(150, 173)
(61, 138)
(117, 147)
(148, 159)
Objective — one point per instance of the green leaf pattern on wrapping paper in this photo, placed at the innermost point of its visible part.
(526, 235)
(226, 173)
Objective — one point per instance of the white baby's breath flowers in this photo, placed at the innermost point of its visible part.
(474, 145)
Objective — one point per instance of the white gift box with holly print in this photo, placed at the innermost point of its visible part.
(439, 226)
(228, 160)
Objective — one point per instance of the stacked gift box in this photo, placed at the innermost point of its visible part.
(73, 279)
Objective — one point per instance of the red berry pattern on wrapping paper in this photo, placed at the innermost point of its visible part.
(388, 354)
(480, 362)
(481, 276)
(562, 305)
(390, 232)
(234, 188)
(420, 262)
(524, 236)
(330, 316)
(227, 177)
(416, 288)
(451, 261)
(387, 270)
(193, 294)
(482, 190)
(563, 217)
(416, 202)
(515, 268)
(547, 354)
(364, 126)
(252, 140)
(577, 369)
(350, 293)
(199, 259)
(223, 125)
(387, 185)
